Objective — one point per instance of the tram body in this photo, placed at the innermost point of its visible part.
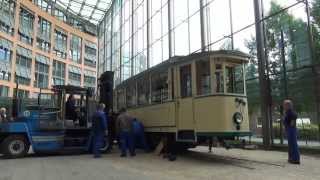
(193, 97)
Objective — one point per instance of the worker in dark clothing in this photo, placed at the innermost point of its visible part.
(124, 130)
(139, 136)
(71, 108)
(99, 127)
(291, 130)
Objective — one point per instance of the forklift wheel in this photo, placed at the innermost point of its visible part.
(15, 146)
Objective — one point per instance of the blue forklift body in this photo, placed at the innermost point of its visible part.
(45, 128)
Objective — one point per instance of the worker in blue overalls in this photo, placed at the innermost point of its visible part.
(99, 127)
(139, 136)
(291, 130)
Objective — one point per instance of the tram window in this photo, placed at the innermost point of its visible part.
(143, 91)
(185, 81)
(131, 95)
(120, 99)
(203, 77)
(234, 79)
(219, 78)
(159, 87)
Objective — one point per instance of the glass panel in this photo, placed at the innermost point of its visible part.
(131, 95)
(159, 87)
(203, 77)
(234, 79)
(185, 81)
(143, 91)
(219, 79)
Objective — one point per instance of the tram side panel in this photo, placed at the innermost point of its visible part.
(156, 116)
(214, 116)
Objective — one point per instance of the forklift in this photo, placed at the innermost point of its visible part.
(47, 129)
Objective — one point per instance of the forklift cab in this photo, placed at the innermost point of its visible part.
(84, 105)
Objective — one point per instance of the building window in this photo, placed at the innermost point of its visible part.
(89, 79)
(44, 35)
(23, 66)
(58, 73)
(43, 4)
(90, 55)
(74, 75)
(26, 26)
(75, 23)
(4, 91)
(41, 72)
(60, 15)
(7, 11)
(60, 47)
(5, 59)
(21, 93)
(75, 48)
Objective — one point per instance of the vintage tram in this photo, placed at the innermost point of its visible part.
(190, 98)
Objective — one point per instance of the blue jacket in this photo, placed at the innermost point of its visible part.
(289, 118)
(137, 127)
(99, 122)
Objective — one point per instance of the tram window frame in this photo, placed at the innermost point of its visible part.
(219, 78)
(143, 89)
(131, 93)
(232, 76)
(203, 77)
(185, 87)
(159, 85)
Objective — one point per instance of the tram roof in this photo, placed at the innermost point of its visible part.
(176, 60)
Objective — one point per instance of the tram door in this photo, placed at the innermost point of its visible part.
(185, 104)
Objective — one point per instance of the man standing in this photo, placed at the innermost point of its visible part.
(124, 130)
(291, 130)
(99, 126)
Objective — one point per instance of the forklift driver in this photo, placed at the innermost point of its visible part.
(71, 108)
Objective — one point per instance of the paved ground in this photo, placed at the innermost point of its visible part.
(198, 164)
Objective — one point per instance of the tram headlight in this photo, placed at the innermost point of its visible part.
(237, 118)
(26, 113)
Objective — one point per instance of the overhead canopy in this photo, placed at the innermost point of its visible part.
(91, 10)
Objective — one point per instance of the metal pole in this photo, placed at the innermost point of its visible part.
(285, 83)
(314, 61)
(169, 29)
(231, 25)
(264, 93)
(132, 37)
(148, 34)
(202, 25)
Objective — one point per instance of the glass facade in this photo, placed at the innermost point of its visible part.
(44, 35)
(75, 48)
(7, 11)
(60, 44)
(58, 73)
(4, 91)
(74, 74)
(5, 59)
(90, 56)
(45, 5)
(41, 74)
(139, 34)
(26, 28)
(23, 66)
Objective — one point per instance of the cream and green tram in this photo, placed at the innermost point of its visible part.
(192, 97)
